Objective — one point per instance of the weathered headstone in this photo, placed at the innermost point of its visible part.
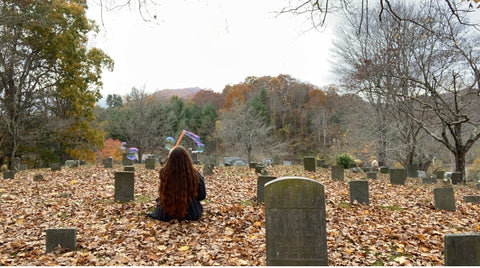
(63, 237)
(372, 175)
(412, 170)
(252, 165)
(261, 181)
(287, 163)
(439, 174)
(38, 177)
(8, 174)
(456, 177)
(384, 170)
(338, 173)
(325, 166)
(129, 168)
(150, 163)
(124, 186)
(398, 176)
(444, 198)
(295, 221)
(422, 174)
(208, 169)
(472, 199)
(258, 168)
(462, 249)
(320, 162)
(71, 163)
(108, 163)
(429, 180)
(366, 169)
(126, 161)
(359, 192)
(309, 163)
(55, 167)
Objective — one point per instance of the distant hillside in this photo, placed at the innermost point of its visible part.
(183, 93)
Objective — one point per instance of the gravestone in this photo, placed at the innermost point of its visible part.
(124, 186)
(258, 168)
(412, 170)
(295, 221)
(108, 163)
(422, 174)
(338, 173)
(287, 163)
(309, 163)
(38, 177)
(55, 167)
(398, 176)
(208, 169)
(359, 192)
(429, 180)
(478, 186)
(71, 163)
(372, 175)
(8, 174)
(252, 165)
(472, 199)
(462, 249)
(150, 163)
(261, 181)
(456, 177)
(129, 168)
(126, 161)
(439, 174)
(384, 170)
(444, 198)
(63, 237)
(367, 169)
(320, 162)
(325, 166)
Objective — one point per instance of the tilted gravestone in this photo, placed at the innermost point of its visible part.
(55, 167)
(295, 221)
(412, 170)
(462, 249)
(444, 198)
(398, 176)
(359, 192)
(384, 170)
(108, 163)
(372, 175)
(338, 173)
(8, 174)
(456, 177)
(129, 168)
(63, 237)
(150, 163)
(208, 169)
(309, 163)
(439, 174)
(472, 199)
(126, 161)
(261, 181)
(124, 186)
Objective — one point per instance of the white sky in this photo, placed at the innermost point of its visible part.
(209, 44)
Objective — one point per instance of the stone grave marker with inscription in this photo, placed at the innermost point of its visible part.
(444, 198)
(295, 221)
(63, 237)
(398, 176)
(338, 173)
(124, 186)
(261, 181)
(309, 163)
(150, 163)
(359, 192)
(462, 249)
(384, 170)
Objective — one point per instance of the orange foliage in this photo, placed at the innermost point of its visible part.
(237, 92)
(112, 148)
(316, 97)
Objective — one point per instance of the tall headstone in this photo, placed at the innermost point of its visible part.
(372, 175)
(208, 169)
(63, 237)
(398, 176)
(359, 192)
(295, 221)
(444, 198)
(150, 163)
(462, 249)
(412, 170)
(472, 199)
(126, 161)
(456, 177)
(124, 186)
(8, 174)
(439, 174)
(261, 181)
(309, 163)
(338, 173)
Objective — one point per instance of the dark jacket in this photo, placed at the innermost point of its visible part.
(194, 211)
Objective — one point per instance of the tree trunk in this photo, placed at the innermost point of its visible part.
(460, 163)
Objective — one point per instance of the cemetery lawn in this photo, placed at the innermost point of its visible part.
(400, 226)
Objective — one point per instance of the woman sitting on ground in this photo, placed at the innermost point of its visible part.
(181, 189)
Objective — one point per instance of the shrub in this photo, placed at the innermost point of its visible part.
(344, 160)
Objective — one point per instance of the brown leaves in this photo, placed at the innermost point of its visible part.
(399, 227)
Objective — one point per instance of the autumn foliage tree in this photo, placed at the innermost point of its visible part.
(112, 148)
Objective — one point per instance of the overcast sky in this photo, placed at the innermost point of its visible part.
(209, 44)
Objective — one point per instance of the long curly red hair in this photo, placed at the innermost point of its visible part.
(178, 183)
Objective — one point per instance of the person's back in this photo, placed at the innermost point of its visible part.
(181, 189)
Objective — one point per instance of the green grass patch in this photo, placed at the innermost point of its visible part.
(247, 203)
(344, 205)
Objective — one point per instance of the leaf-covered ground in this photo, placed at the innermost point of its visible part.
(399, 227)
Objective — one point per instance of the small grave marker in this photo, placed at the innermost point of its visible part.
(384, 170)
(8, 174)
(261, 181)
(124, 186)
(129, 168)
(309, 163)
(472, 199)
(252, 165)
(63, 237)
(444, 198)
(108, 163)
(295, 221)
(462, 249)
(71, 163)
(456, 177)
(372, 175)
(338, 173)
(126, 161)
(439, 174)
(150, 163)
(412, 170)
(208, 169)
(359, 192)
(422, 174)
(287, 163)
(429, 180)
(258, 168)
(398, 176)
